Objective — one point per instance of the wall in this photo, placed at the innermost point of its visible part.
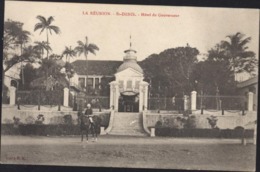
(51, 114)
(227, 121)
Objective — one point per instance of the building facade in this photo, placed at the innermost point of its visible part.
(129, 91)
(249, 85)
(123, 81)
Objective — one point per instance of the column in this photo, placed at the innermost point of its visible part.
(99, 82)
(255, 133)
(66, 97)
(116, 96)
(185, 102)
(12, 95)
(94, 82)
(141, 97)
(146, 96)
(193, 100)
(250, 101)
(112, 90)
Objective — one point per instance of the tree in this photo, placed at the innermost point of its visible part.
(85, 48)
(211, 76)
(15, 35)
(45, 24)
(12, 29)
(22, 38)
(174, 68)
(235, 52)
(29, 73)
(41, 47)
(68, 52)
(49, 75)
(29, 55)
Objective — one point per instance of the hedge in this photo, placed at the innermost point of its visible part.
(204, 133)
(42, 130)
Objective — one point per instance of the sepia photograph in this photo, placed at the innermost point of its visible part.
(129, 86)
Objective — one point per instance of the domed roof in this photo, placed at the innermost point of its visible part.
(130, 61)
(130, 64)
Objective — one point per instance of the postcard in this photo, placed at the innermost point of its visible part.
(129, 86)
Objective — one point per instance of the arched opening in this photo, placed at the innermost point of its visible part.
(128, 102)
(14, 83)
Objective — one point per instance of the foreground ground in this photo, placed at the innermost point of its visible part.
(137, 152)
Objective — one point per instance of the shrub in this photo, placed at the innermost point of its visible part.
(67, 119)
(105, 118)
(212, 121)
(30, 120)
(190, 122)
(40, 119)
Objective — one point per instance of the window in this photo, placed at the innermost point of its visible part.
(121, 84)
(137, 83)
(129, 84)
(96, 82)
(82, 82)
(90, 82)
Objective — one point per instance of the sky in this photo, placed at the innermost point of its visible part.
(201, 27)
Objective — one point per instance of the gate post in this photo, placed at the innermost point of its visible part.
(250, 102)
(185, 102)
(66, 97)
(12, 95)
(193, 100)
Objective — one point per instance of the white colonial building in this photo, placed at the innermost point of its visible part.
(129, 93)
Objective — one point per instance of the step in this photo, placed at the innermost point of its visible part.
(129, 124)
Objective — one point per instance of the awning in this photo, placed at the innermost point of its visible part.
(129, 93)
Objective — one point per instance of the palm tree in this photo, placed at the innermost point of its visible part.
(45, 24)
(41, 47)
(68, 52)
(236, 50)
(85, 48)
(21, 39)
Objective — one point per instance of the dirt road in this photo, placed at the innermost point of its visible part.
(133, 152)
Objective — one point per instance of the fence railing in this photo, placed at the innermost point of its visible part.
(39, 97)
(99, 102)
(221, 102)
(165, 104)
(5, 97)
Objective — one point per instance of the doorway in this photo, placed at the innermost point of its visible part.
(128, 103)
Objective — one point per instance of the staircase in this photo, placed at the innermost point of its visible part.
(130, 124)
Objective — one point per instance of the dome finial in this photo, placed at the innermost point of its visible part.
(130, 41)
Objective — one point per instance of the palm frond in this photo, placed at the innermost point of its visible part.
(93, 46)
(42, 19)
(42, 30)
(245, 41)
(38, 26)
(79, 50)
(56, 29)
(50, 20)
(80, 43)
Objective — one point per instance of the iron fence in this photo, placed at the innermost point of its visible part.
(39, 97)
(5, 97)
(99, 102)
(165, 104)
(221, 102)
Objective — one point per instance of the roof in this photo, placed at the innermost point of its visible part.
(130, 64)
(96, 67)
(248, 82)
